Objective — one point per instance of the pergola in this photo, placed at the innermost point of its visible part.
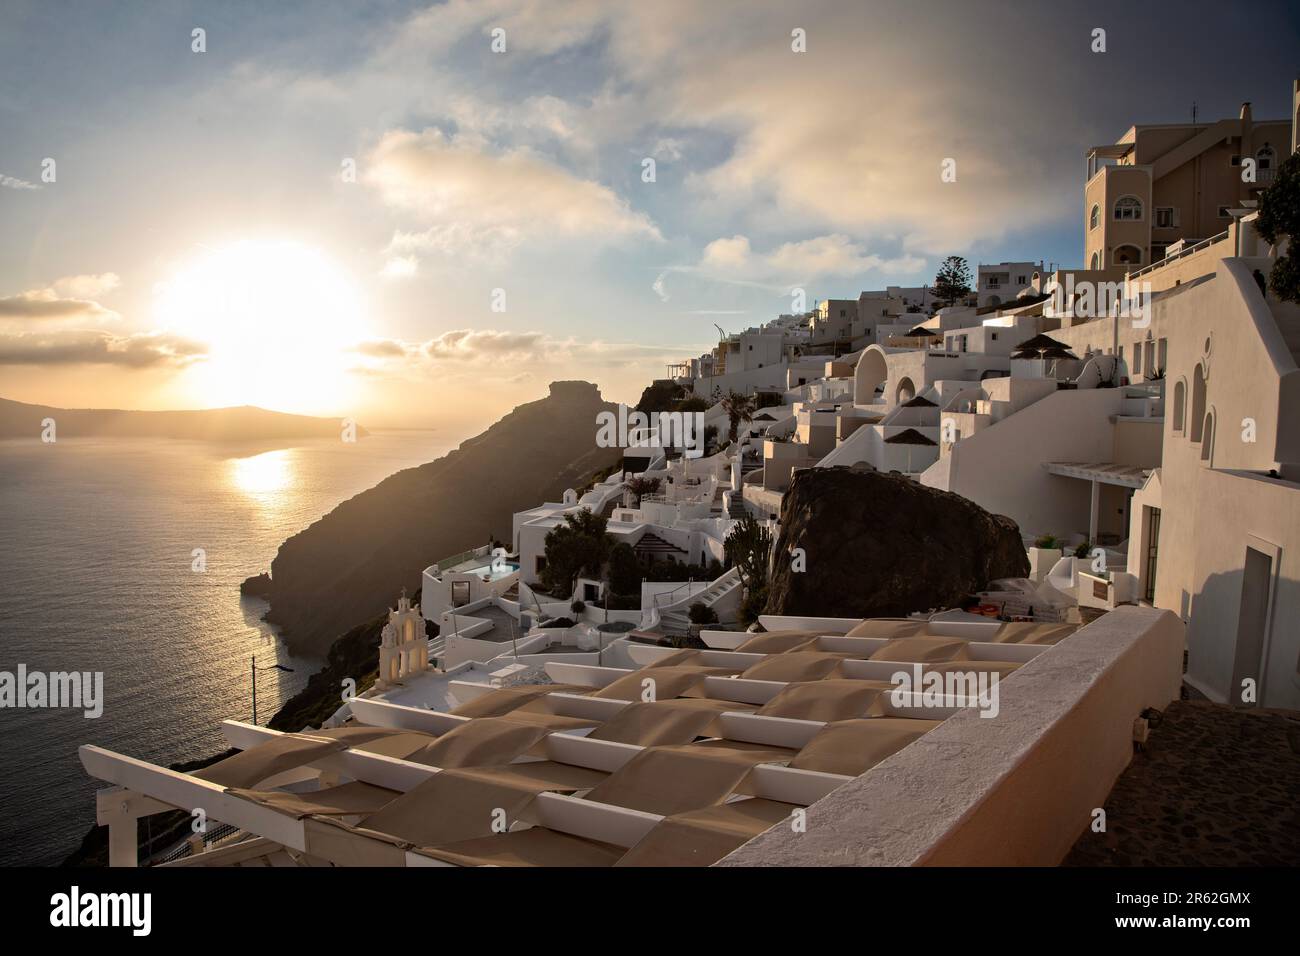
(1099, 473)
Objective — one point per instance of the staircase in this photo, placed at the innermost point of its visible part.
(675, 618)
(737, 509)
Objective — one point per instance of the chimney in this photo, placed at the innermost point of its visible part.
(1244, 116)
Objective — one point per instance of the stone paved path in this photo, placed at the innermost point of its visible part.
(1214, 787)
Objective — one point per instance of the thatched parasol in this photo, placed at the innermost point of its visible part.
(909, 437)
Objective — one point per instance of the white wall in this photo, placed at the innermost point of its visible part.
(1000, 468)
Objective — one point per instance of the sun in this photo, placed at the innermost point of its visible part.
(278, 319)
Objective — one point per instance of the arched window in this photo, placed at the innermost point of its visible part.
(1127, 255)
(1094, 217)
(1198, 403)
(1180, 404)
(1096, 261)
(1264, 157)
(1207, 437)
(1129, 208)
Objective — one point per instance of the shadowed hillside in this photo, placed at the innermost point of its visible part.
(348, 566)
(246, 423)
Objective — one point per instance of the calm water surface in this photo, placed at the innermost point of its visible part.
(96, 555)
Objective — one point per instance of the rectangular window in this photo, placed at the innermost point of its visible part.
(1235, 160)
(1165, 217)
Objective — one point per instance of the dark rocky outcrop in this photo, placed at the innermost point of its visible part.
(348, 566)
(259, 585)
(883, 545)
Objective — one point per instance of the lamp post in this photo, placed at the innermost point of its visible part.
(253, 669)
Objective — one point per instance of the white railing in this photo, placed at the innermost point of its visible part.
(1180, 254)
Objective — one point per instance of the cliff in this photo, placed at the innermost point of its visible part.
(881, 545)
(348, 566)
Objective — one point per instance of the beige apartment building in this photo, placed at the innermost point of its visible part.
(1162, 184)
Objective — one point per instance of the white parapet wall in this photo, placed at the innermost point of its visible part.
(1017, 789)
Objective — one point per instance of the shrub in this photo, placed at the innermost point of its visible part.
(624, 569)
(1047, 541)
(701, 613)
(1083, 550)
(577, 607)
(752, 605)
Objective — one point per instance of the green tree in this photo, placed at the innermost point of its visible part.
(577, 547)
(952, 281)
(624, 570)
(640, 485)
(1279, 216)
(739, 408)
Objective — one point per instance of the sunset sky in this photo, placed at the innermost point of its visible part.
(201, 244)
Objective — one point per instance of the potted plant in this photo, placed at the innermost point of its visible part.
(1044, 554)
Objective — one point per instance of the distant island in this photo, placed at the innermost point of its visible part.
(245, 423)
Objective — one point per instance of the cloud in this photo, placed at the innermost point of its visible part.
(12, 182)
(660, 286)
(90, 347)
(382, 349)
(734, 258)
(86, 286)
(400, 267)
(468, 195)
(472, 344)
(855, 149)
(68, 298)
(44, 304)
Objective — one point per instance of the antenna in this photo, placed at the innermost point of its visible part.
(1193, 112)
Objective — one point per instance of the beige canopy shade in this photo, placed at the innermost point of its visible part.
(505, 699)
(656, 724)
(776, 642)
(668, 780)
(834, 699)
(480, 743)
(1029, 632)
(703, 837)
(885, 627)
(922, 649)
(796, 666)
(355, 798)
(536, 846)
(250, 767)
(853, 747)
(676, 681)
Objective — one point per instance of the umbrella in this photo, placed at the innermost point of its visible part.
(909, 436)
(920, 332)
(919, 402)
(1030, 348)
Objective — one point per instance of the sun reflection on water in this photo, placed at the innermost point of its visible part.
(264, 475)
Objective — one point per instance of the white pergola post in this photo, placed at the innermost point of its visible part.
(1092, 513)
(119, 809)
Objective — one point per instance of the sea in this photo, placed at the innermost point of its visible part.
(124, 557)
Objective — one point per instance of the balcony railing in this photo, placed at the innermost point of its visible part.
(1181, 254)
